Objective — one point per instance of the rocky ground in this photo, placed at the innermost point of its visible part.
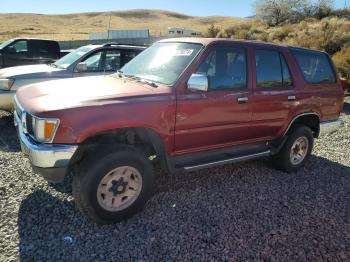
(247, 211)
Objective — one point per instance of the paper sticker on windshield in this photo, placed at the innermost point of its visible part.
(183, 52)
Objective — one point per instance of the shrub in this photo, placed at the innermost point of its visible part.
(212, 31)
(342, 61)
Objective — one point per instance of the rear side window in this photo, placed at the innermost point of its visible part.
(271, 70)
(45, 49)
(315, 66)
(112, 60)
(129, 55)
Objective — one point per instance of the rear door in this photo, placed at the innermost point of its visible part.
(274, 96)
(16, 54)
(218, 117)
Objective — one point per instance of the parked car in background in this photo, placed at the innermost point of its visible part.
(182, 105)
(28, 51)
(89, 60)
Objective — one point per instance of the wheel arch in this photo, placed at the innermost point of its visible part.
(147, 140)
(311, 120)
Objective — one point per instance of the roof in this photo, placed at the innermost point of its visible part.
(32, 38)
(207, 41)
(134, 47)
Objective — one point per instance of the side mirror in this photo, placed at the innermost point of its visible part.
(81, 67)
(198, 82)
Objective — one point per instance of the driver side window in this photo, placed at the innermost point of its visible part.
(94, 62)
(19, 47)
(226, 68)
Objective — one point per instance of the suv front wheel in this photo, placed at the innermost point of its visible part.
(111, 187)
(296, 151)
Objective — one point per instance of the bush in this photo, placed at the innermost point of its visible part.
(212, 31)
(342, 62)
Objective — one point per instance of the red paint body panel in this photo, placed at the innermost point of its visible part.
(186, 121)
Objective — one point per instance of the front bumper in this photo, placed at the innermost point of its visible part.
(328, 127)
(50, 160)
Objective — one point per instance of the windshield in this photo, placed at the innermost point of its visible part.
(162, 62)
(69, 59)
(6, 43)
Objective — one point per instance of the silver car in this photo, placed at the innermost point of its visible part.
(86, 61)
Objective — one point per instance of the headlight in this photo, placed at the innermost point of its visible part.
(6, 84)
(44, 129)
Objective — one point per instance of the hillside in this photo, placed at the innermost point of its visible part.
(77, 26)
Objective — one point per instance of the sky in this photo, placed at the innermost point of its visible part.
(239, 8)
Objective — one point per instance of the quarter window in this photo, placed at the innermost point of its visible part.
(271, 70)
(226, 68)
(315, 66)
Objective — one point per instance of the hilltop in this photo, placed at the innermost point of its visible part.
(77, 26)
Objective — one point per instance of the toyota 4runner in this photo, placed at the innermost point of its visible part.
(182, 105)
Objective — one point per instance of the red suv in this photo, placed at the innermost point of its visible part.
(183, 104)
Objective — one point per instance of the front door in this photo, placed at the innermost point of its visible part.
(102, 62)
(17, 54)
(217, 117)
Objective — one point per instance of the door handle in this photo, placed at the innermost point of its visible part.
(242, 100)
(292, 98)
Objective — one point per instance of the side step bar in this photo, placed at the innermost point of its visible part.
(228, 161)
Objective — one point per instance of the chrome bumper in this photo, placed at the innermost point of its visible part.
(328, 127)
(44, 156)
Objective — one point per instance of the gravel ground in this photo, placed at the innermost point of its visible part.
(239, 212)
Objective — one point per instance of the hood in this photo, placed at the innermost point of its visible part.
(26, 70)
(80, 92)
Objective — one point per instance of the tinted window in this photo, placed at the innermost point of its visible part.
(226, 68)
(315, 66)
(44, 49)
(129, 55)
(94, 62)
(268, 69)
(112, 60)
(271, 69)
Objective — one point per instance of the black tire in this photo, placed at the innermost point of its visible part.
(94, 168)
(282, 159)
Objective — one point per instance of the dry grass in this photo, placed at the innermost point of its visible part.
(77, 26)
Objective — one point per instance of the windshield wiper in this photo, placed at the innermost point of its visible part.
(120, 73)
(148, 82)
(53, 65)
(137, 78)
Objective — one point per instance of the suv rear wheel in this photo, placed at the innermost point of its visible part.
(113, 186)
(296, 151)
